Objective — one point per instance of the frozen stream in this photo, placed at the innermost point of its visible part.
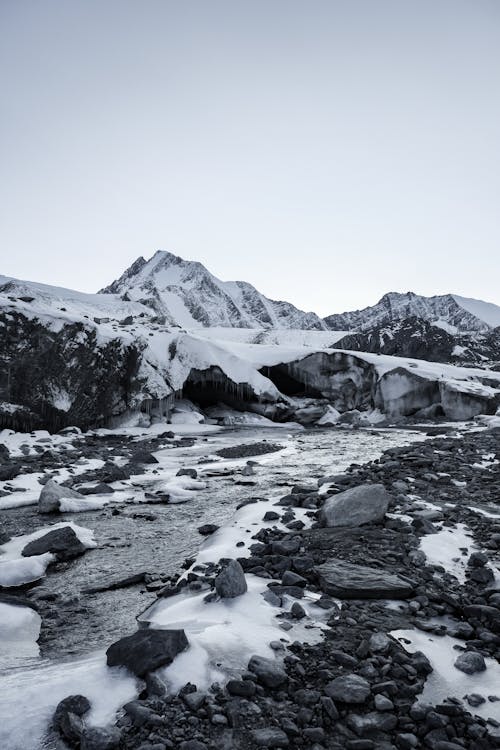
(87, 623)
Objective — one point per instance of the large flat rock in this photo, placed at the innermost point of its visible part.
(349, 581)
(367, 503)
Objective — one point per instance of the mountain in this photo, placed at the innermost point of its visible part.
(188, 295)
(417, 338)
(449, 311)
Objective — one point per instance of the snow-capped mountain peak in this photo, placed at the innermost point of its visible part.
(449, 311)
(187, 294)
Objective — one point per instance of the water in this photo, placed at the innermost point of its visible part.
(71, 652)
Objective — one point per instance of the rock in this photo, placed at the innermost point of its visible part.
(207, 529)
(348, 688)
(269, 737)
(367, 503)
(187, 473)
(9, 471)
(143, 457)
(349, 581)
(52, 493)
(110, 472)
(271, 515)
(95, 738)
(383, 704)
(293, 579)
(192, 745)
(62, 542)
(249, 449)
(470, 662)
(379, 643)
(297, 611)
(371, 723)
(231, 580)
(269, 672)
(146, 650)
(241, 688)
(67, 717)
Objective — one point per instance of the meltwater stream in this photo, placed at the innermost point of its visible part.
(74, 661)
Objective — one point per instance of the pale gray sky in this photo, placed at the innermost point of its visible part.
(327, 151)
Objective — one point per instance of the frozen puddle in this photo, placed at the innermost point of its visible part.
(446, 681)
(446, 549)
(30, 696)
(224, 634)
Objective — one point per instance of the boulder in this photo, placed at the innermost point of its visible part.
(146, 650)
(52, 493)
(269, 737)
(62, 542)
(96, 738)
(349, 581)
(231, 580)
(348, 688)
(187, 473)
(470, 662)
(367, 503)
(268, 671)
(207, 528)
(9, 471)
(67, 717)
(143, 457)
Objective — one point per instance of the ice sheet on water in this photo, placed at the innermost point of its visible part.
(29, 696)
(445, 548)
(224, 634)
(448, 681)
(19, 631)
(16, 570)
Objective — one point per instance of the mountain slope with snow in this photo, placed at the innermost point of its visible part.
(187, 294)
(450, 311)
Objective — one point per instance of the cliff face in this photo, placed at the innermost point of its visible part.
(62, 377)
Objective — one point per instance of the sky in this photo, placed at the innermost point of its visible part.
(327, 151)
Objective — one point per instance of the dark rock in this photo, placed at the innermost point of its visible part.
(187, 473)
(62, 542)
(249, 449)
(241, 688)
(371, 723)
(231, 580)
(269, 737)
(207, 529)
(9, 471)
(348, 688)
(143, 457)
(269, 672)
(348, 581)
(94, 738)
(146, 650)
(67, 717)
(470, 662)
(367, 503)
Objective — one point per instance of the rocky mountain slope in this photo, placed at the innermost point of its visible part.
(187, 294)
(416, 337)
(453, 313)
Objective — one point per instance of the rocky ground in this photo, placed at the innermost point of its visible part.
(397, 555)
(359, 687)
